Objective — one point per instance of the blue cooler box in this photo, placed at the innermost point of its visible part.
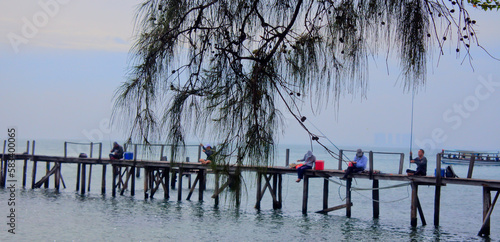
(442, 172)
(128, 156)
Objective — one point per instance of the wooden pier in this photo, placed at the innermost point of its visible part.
(164, 175)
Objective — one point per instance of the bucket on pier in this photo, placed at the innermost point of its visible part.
(319, 165)
(443, 170)
(128, 156)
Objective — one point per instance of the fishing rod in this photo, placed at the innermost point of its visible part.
(411, 129)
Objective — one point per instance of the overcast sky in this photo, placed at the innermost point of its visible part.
(58, 82)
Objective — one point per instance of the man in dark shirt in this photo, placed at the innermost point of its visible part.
(207, 149)
(421, 162)
(116, 152)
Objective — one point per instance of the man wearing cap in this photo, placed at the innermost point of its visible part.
(116, 152)
(207, 149)
(358, 165)
(421, 162)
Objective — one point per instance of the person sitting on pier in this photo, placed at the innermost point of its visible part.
(207, 149)
(358, 165)
(309, 160)
(116, 152)
(421, 162)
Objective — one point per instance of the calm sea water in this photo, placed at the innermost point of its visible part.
(48, 215)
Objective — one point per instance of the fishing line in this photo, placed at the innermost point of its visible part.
(326, 137)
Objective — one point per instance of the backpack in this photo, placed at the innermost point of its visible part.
(450, 172)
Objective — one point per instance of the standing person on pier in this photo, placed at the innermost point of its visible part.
(309, 160)
(421, 162)
(207, 149)
(358, 165)
(116, 152)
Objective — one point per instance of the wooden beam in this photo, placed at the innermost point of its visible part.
(193, 187)
(471, 166)
(348, 197)
(179, 190)
(401, 163)
(437, 194)
(259, 195)
(376, 198)
(90, 177)
(166, 187)
(132, 185)
(370, 160)
(114, 172)
(47, 170)
(217, 177)
(305, 194)
(103, 179)
(280, 190)
(276, 204)
(487, 210)
(44, 179)
(327, 210)
(78, 171)
(25, 165)
(326, 185)
(341, 153)
(421, 212)
(146, 183)
(414, 197)
(83, 178)
(201, 186)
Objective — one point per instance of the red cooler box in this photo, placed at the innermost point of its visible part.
(319, 165)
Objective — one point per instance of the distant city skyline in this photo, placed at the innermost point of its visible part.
(62, 61)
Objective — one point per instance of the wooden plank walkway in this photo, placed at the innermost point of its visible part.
(164, 174)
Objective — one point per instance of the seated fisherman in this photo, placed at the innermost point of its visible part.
(358, 165)
(421, 162)
(116, 152)
(207, 149)
(309, 160)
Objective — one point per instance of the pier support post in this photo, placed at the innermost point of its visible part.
(276, 201)
(376, 198)
(132, 185)
(414, 201)
(47, 170)
(166, 188)
(33, 173)
(115, 174)
(217, 177)
(348, 197)
(437, 195)
(259, 195)
(25, 165)
(341, 153)
(280, 190)
(146, 182)
(83, 178)
(57, 175)
(103, 180)
(287, 158)
(179, 189)
(90, 177)
(487, 210)
(201, 186)
(326, 185)
(78, 171)
(305, 194)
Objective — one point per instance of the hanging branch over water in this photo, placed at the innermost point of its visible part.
(221, 67)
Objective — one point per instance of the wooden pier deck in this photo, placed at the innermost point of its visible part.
(162, 174)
